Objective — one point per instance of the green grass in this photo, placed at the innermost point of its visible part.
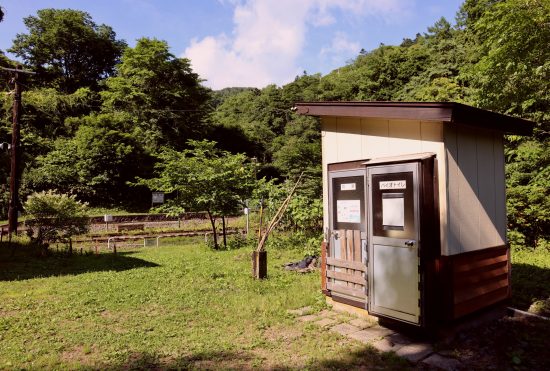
(530, 276)
(181, 305)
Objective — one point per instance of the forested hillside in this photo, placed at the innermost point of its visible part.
(98, 112)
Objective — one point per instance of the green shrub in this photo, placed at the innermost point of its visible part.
(306, 214)
(53, 217)
(295, 241)
(238, 241)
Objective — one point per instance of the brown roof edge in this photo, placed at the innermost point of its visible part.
(427, 111)
(469, 115)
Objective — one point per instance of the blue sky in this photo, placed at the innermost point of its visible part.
(252, 42)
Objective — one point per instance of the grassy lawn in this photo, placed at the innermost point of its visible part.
(530, 276)
(180, 305)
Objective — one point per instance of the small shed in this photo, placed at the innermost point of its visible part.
(414, 207)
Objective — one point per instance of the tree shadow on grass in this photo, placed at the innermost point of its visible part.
(26, 262)
(367, 358)
(509, 343)
(529, 283)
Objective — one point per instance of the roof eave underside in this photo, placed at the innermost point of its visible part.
(446, 112)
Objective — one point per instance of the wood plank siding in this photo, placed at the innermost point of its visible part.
(346, 275)
(324, 248)
(475, 280)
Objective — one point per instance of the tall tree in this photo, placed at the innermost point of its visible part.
(513, 75)
(161, 92)
(68, 49)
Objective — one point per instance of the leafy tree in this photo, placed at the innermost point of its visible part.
(513, 76)
(528, 196)
(94, 164)
(299, 150)
(68, 49)
(204, 179)
(160, 92)
(261, 114)
(55, 217)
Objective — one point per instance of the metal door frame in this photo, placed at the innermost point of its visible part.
(380, 169)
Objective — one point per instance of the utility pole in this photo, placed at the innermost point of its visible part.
(14, 174)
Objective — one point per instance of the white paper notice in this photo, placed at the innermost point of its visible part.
(348, 211)
(347, 187)
(393, 212)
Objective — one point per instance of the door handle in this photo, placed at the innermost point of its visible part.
(410, 243)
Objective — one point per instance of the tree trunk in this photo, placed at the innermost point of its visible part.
(224, 234)
(70, 246)
(213, 222)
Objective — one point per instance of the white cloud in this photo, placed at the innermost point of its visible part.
(269, 35)
(340, 48)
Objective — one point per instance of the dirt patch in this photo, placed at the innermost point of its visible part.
(508, 343)
(8, 313)
(80, 355)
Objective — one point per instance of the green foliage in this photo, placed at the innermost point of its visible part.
(48, 113)
(93, 164)
(528, 197)
(68, 49)
(240, 241)
(160, 92)
(55, 217)
(296, 240)
(204, 178)
(306, 214)
(514, 73)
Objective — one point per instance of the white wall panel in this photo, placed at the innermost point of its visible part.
(375, 140)
(404, 137)
(475, 189)
(349, 139)
(467, 212)
(500, 189)
(486, 189)
(451, 245)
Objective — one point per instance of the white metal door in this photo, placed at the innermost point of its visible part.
(393, 218)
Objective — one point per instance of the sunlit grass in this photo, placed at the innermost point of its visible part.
(530, 276)
(180, 305)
